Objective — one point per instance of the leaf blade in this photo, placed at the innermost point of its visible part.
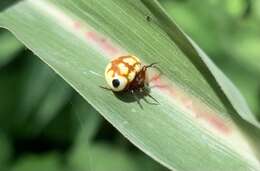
(185, 122)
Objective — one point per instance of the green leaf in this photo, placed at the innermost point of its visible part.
(195, 126)
(10, 78)
(54, 101)
(214, 76)
(88, 120)
(6, 150)
(100, 157)
(37, 81)
(234, 51)
(43, 96)
(10, 46)
(249, 86)
(49, 162)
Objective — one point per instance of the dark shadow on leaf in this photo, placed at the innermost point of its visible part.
(137, 96)
(4, 4)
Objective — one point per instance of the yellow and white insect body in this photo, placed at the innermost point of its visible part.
(121, 73)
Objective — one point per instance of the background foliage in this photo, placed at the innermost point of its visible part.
(42, 110)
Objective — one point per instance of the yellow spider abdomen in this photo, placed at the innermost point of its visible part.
(121, 71)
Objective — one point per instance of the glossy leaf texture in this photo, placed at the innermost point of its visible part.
(201, 121)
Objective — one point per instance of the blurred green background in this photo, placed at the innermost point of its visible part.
(46, 125)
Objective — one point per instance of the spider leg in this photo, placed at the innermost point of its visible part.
(151, 65)
(106, 88)
(136, 98)
(148, 102)
(147, 93)
(154, 65)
